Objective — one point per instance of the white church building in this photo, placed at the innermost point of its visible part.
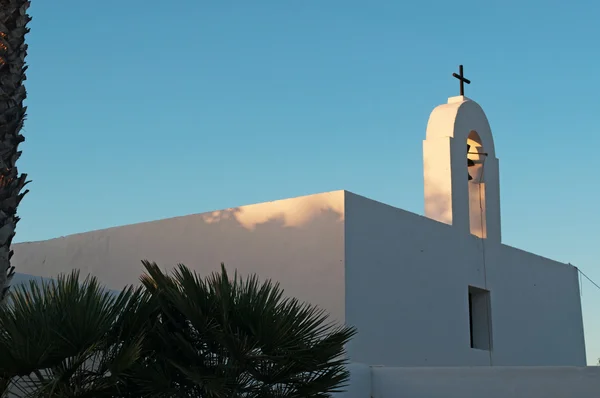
(442, 307)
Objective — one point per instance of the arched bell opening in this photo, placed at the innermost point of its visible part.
(476, 157)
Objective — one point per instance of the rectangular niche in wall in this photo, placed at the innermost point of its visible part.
(480, 318)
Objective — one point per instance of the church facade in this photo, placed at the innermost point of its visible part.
(423, 291)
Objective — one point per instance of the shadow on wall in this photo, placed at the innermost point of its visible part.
(297, 242)
(291, 212)
(25, 279)
(21, 279)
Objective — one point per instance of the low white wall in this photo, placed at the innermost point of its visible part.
(494, 382)
(359, 385)
(473, 382)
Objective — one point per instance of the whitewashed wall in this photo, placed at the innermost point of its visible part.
(407, 279)
(359, 385)
(297, 242)
(404, 282)
(474, 382)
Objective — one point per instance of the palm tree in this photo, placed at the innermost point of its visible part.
(13, 28)
(222, 337)
(69, 339)
(175, 336)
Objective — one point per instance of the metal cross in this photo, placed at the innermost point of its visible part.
(462, 79)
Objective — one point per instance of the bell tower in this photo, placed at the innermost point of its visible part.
(462, 184)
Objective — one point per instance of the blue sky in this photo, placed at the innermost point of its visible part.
(142, 110)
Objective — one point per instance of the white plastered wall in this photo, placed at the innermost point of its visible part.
(297, 242)
(407, 280)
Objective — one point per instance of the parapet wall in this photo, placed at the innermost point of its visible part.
(473, 382)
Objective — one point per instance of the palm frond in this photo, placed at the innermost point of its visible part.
(70, 338)
(229, 336)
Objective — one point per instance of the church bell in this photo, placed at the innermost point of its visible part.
(470, 163)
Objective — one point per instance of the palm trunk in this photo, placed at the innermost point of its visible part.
(13, 28)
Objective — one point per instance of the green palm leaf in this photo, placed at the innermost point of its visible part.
(234, 337)
(176, 336)
(64, 338)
